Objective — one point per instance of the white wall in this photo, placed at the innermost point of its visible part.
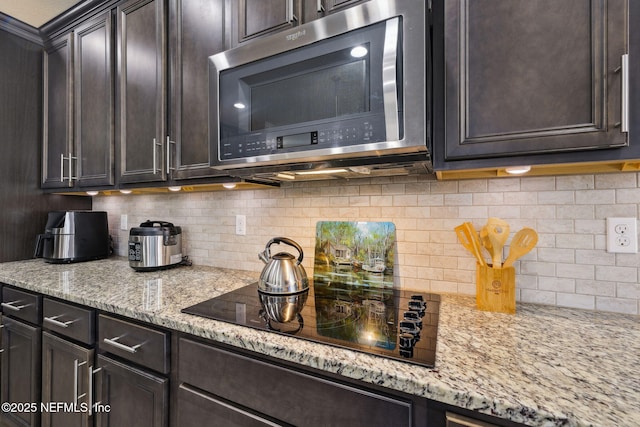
(569, 266)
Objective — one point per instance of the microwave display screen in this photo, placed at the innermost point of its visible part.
(340, 88)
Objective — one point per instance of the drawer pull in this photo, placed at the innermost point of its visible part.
(11, 306)
(52, 320)
(114, 342)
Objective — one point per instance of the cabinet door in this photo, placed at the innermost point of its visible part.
(260, 17)
(197, 31)
(135, 397)
(21, 370)
(65, 378)
(58, 164)
(141, 90)
(532, 77)
(94, 131)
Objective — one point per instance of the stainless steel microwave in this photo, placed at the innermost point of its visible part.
(349, 89)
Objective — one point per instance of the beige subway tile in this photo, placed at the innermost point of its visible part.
(628, 290)
(575, 241)
(431, 200)
(631, 195)
(557, 284)
(471, 212)
(624, 210)
(405, 200)
(616, 180)
(458, 199)
(473, 186)
(504, 184)
(576, 301)
(595, 287)
(617, 274)
(540, 183)
(491, 199)
(552, 255)
(575, 182)
(576, 271)
(537, 297)
(617, 305)
(556, 197)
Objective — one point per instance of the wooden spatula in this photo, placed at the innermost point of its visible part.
(523, 241)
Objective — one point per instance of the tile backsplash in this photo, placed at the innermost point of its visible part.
(569, 266)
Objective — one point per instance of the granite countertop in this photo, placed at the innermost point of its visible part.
(543, 366)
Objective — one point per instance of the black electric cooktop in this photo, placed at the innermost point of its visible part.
(379, 320)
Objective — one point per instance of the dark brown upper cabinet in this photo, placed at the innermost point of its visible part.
(196, 31)
(78, 135)
(141, 91)
(524, 78)
(93, 87)
(260, 17)
(58, 160)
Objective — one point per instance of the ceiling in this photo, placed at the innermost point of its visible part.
(35, 12)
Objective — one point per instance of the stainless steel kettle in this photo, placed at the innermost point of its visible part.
(283, 273)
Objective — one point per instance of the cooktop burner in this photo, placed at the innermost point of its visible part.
(378, 320)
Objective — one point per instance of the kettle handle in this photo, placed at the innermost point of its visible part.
(289, 242)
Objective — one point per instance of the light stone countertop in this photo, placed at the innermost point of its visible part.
(543, 366)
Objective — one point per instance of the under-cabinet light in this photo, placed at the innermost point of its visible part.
(517, 170)
(174, 188)
(93, 193)
(322, 172)
(229, 185)
(125, 191)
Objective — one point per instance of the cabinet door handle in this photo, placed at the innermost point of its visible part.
(319, 6)
(114, 342)
(11, 306)
(92, 372)
(76, 365)
(155, 156)
(71, 158)
(624, 121)
(53, 320)
(291, 17)
(169, 142)
(61, 167)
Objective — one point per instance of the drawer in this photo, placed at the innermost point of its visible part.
(285, 394)
(140, 344)
(21, 305)
(69, 320)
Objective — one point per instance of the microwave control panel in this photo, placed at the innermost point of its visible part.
(331, 135)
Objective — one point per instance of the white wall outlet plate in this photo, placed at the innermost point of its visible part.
(241, 225)
(124, 222)
(622, 235)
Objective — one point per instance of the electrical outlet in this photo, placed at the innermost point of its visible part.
(622, 235)
(241, 225)
(124, 222)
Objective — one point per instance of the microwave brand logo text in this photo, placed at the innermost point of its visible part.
(296, 35)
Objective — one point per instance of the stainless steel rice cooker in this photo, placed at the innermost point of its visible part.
(155, 245)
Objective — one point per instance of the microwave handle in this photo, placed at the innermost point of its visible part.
(389, 79)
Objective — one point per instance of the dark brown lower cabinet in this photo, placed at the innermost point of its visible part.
(128, 396)
(258, 392)
(65, 379)
(21, 371)
(197, 408)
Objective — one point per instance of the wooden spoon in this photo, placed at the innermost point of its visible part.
(498, 231)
